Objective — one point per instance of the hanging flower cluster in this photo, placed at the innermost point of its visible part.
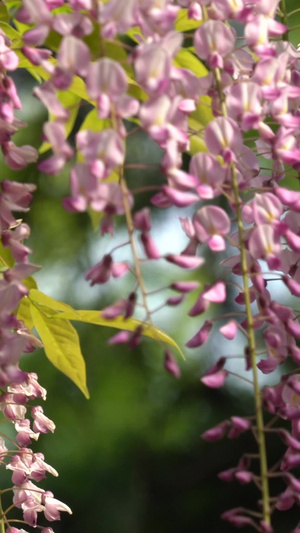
(250, 141)
(18, 388)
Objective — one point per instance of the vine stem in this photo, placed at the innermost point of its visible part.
(130, 227)
(284, 20)
(2, 525)
(261, 442)
(252, 352)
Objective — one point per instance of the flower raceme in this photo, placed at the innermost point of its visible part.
(240, 210)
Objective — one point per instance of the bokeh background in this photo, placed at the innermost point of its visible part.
(131, 459)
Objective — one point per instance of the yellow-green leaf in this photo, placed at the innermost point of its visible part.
(94, 123)
(6, 258)
(30, 283)
(197, 143)
(183, 23)
(132, 33)
(186, 59)
(95, 217)
(78, 87)
(197, 122)
(12, 3)
(62, 347)
(24, 313)
(94, 317)
(4, 15)
(43, 299)
(11, 33)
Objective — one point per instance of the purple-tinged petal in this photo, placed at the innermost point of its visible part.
(268, 365)
(150, 247)
(142, 219)
(199, 307)
(229, 330)
(171, 365)
(217, 432)
(114, 310)
(184, 286)
(292, 285)
(202, 336)
(244, 477)
(185, 261)
(175, 300)
(179, 198)
(215, 381)
(122, 337)
(119, 270)
(216, 293)
(293, 328)
(236, 519)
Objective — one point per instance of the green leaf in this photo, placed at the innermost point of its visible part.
(25, 314)
(186, 59)
(197, 122)
(94, 123)
(203, 114)
(133, 32)
(131, 324)
(11, 33)
(43, 299)
(62, 347)
(197, 143)
(137, 92)
(22, 28)
(4, 15)
(25, 63)
(78, 87)
(30, 283)
(183, 23)
(12, 3)
(6, 258)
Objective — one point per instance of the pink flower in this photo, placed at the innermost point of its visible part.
(223, 137)
(18, 157)
(244, 104)
(107, 84)
(73, 57)
(53, 507)
(41, 424)
(213, 41)
(210, 174)
(54, 133)
(264, 243)
(103, 151)
(211, 224)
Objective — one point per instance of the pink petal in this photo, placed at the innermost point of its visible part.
(229, 330)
